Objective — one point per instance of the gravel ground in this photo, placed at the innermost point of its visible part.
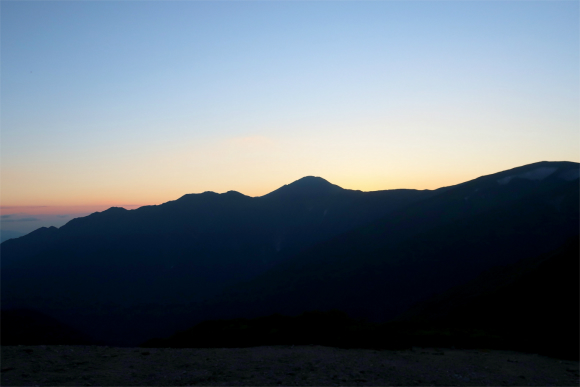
(279, 365)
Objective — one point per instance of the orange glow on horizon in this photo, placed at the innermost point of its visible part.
(365, 184)
(57, 210)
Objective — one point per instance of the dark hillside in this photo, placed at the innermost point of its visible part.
(26, 327)
(533, 305)
(381, 269)
(112, 268)
(530, 306)
(331, 328)
(126, 276)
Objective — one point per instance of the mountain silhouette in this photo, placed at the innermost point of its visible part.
(309, 186)
(420, 250)
(125, 276)
(120, 265)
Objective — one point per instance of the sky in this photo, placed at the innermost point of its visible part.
(129, 103)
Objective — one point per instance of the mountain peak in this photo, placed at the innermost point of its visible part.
(311, 181)
(307, 186)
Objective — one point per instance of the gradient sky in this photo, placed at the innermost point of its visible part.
(128, 102)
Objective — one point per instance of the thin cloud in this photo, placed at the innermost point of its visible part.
(20, 220)
(5, 216)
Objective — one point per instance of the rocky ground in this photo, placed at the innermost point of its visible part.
(279, 365)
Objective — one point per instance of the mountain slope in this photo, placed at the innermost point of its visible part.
(26, 327)
(134, 264)
(528, 306)
(379, 270)
(126, 276)
(532, 305)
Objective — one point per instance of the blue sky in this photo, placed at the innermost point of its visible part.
(105, 103)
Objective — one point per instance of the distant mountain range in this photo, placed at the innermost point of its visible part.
(9, 234)
(126, 276)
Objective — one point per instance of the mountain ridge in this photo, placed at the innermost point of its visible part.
(227, 255)
(375, 245)
(177, 252)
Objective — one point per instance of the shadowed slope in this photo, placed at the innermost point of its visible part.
(533, 305)
(528, 306)
(125, 276)
(27, 327)
(113, 268)
(379, 270)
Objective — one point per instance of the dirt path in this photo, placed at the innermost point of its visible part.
(305, 365)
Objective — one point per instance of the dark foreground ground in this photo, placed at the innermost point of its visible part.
(279, 365)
